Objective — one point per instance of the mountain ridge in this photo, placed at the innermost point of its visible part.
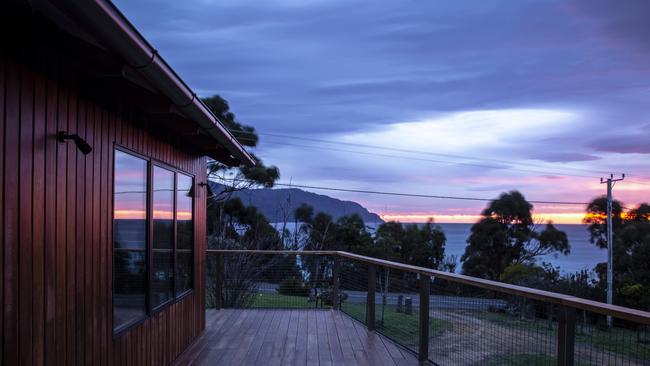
(279, 204)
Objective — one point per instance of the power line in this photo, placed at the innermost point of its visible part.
(411, 151)
(336, 189)
(423, 195)
(636, 182)
(455, 156)
(445, 162)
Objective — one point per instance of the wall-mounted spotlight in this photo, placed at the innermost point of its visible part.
(82, 145)
(208, 190)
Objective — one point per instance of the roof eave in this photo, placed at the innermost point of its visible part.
(111, 27)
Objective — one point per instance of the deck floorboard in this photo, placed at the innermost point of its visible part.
(291, 337)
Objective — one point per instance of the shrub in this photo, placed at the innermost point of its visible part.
(327, 296)
(293, 286)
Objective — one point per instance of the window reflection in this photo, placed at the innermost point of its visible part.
(130, 239)
(159, 221)
(162, 278)
(184, 233)
(184, 269)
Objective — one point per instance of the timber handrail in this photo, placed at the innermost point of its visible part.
(620, 312)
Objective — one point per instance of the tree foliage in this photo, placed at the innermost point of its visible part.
(411, 244)
(596, 218)
(352, 235)
(631, 251)
(246, 135)
(232, 225)
(544, 276)
(506, 235)
(422, 245)
(243, 176)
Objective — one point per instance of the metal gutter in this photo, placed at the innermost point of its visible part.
(110, 26)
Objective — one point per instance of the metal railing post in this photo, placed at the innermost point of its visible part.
(218, 281)
(370, 308)
(423, 349)
(336, 272)
(566, 336)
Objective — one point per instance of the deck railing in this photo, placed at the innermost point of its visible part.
(445, 318)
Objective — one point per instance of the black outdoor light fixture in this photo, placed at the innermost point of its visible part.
(208, 190)
(82, 145)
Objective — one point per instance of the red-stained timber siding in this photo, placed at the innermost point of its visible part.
(56, 228)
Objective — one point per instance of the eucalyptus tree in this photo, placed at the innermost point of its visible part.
(507, 235)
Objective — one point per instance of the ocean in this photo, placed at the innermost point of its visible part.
(584, 255)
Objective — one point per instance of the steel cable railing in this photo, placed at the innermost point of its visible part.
(445, 318)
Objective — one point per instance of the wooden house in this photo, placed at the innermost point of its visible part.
(102, 190)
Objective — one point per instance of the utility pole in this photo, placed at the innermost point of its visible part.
(610, 243)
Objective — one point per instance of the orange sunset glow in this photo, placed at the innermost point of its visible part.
(557, 217)
(140, 215)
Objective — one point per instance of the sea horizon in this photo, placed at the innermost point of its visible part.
(583, 254)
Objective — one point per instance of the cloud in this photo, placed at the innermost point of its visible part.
(562, 157)
(532, 89)
(618, 22)
(469, 131)
(624, 143)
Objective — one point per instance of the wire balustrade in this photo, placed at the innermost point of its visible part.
(444, 318)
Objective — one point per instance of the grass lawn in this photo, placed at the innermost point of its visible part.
(523, 360)
(538, 326)
(618, 340)
(400, 327)
(536, 359)
(277, 301)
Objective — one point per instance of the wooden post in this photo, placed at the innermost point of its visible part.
(566, 336)
(370, 308)
(423, 349)
(218, 281)
(336, 272)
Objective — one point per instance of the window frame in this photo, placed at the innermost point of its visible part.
(151, 310)
(152, 165)
(181, 294)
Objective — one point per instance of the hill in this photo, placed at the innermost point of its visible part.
(275, 204)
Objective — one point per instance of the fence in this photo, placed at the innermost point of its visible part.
(445, 318)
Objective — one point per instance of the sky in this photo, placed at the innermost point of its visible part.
(454, 98)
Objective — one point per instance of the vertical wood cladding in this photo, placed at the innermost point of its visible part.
(56, 227)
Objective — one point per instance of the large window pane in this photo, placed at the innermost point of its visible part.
(184, 233)
(163, 208)
(184, 212)
(162, 282)
(184, 269)
(130, 239)
(162, 279)
(158, 223)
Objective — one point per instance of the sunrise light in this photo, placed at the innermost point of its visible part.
(555, 217)
(141, 215)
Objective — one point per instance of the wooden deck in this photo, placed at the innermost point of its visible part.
(290, 337)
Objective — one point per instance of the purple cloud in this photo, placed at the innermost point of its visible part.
(330, 69)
